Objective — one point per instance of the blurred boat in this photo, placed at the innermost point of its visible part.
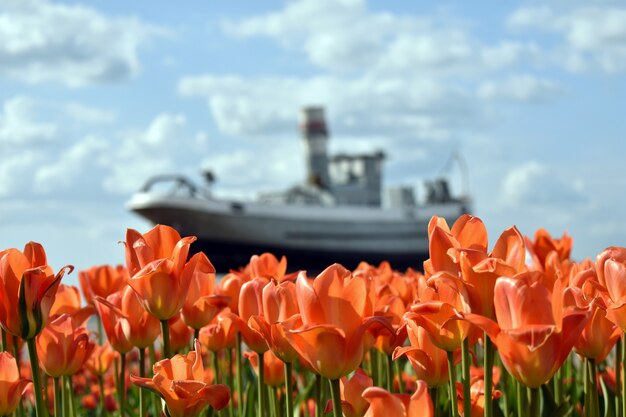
(338, 215)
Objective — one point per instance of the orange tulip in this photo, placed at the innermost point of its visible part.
(267, 266)
(160, 273)
(180, 334)
(533, 337)
(111, 315)
(279, 314)
(544, 243)
(611, 270)
(439, 313)
(273, 367)
(63, 346)
(468, 232)
(477, 392)
(220, 334)
(353, 404)
(100, 360)
(335, 314)
(183, 384)
(230, 286)
(202, 303)
(102, 281)
(27, 289)
(67, 301)
(429, 362)
(462, 253)
(600, 334)
(251, 304)
(385, 404)
(12, 387)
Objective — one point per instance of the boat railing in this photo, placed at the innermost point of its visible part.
(180, 185)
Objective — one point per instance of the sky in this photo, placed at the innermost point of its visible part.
(96, 97)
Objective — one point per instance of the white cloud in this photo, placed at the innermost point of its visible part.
(535, 185)
(408, 107)
(525, 88)
(70, 44)
(162, 147)
(87, 114)
(75, 166)
(164, 128)
(18, 124)
(16, 171)
(591, 37)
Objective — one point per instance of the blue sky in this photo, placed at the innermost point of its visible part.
(95, 97)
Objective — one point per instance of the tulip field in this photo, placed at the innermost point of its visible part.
(513, 329)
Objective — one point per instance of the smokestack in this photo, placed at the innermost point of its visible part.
(315, 136)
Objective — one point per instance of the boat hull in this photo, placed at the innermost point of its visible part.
(228, 255)
(311, 238)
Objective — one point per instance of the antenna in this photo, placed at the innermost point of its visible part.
(460, 160)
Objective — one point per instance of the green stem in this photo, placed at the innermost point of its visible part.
(335, 393)
(165, 332)
(434, 396)
(261, 390)
(593, 395)
(272, 400)
(18, 360)
(216, 367)
(374, 365)
(586, 389)
(535, 402)
(396, 367)
(465, 364)
(100, 331)
(239, 375)
(488, 365)
(57, 397)
(288, 389)
(103, 408)
(618, 377)
(65, 398)
(143, 406)
(67, 381)
(4, 339)
(452, 376)
(623, 385)
(196, 336)
(520, 397)
(319, 407)
(558, 386)
(389, 373)
(34, 364)
(122, 383)
(229, 376)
